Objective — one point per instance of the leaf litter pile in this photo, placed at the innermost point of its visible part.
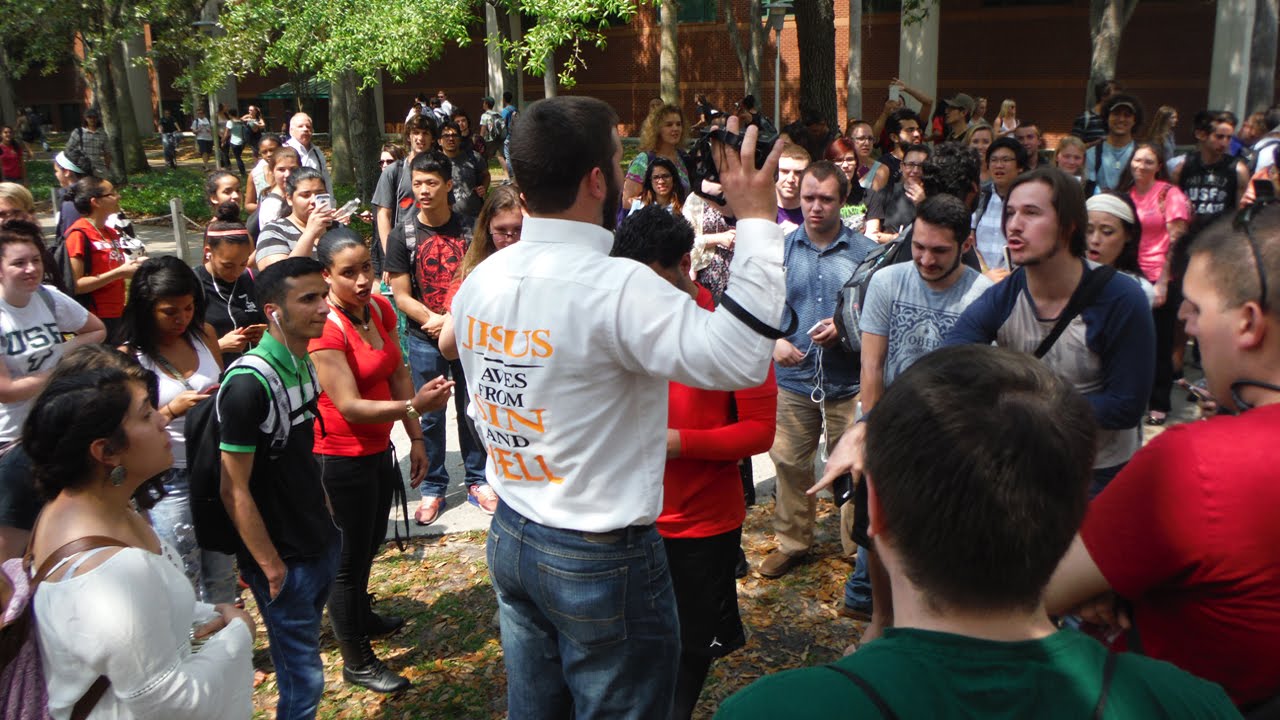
(449, 647)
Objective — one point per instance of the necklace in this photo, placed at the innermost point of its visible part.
(364, 324)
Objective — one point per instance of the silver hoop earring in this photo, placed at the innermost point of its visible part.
(117, 475)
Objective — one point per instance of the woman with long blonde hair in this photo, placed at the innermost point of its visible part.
(1007, 119)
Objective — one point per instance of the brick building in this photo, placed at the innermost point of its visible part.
(1036, 51)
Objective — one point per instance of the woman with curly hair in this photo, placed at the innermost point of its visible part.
(661, 135)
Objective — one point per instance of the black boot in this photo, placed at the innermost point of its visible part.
(361, 667)
(378, 625)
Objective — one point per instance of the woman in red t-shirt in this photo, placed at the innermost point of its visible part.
(365, 389)
(12, 157)
(98, 262)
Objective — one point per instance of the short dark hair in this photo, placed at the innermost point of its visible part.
(85, 191)
(507, 96)
(1068, 202)
(653, 235)
(982, 516)
(1013, 146)
(420, 123)
(947, 212)
(272, 284)
(157, 278)
(450, 125)
(917, 148)
(893, 124)
(1232, 266)
(434, 162)
(1205, 120)
(953, 168)
(557, 143)
(823, 170)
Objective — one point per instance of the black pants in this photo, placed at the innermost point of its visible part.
(1166, 322)
(237, 151)
(360, 490)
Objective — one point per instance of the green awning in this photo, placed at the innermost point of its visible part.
(315, 87)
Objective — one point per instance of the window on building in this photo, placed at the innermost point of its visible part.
(882, 6)
(695, 11)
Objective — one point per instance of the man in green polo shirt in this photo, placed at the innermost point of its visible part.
(970, 512)
(288, 542)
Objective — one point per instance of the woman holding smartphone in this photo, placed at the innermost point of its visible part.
(163, 327)
(224, 277)
(314, 217)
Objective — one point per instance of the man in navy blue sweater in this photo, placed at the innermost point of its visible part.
(1106, 351)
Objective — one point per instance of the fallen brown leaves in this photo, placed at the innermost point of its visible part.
(450, 650)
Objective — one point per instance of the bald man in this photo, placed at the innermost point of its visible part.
(300, 130)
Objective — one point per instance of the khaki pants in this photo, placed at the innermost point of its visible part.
(794, 447)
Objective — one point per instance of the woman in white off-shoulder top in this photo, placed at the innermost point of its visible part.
(126, 611)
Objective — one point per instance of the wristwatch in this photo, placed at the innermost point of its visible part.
(410, 411)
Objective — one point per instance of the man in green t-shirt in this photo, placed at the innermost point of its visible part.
(970, 512)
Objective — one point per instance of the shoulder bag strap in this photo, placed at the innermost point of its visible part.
(47, 298)
(74, 547)
(1108, 670)
(1090, 285)
(876, 698)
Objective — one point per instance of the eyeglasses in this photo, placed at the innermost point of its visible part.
(657, 177)
(508, 234)
(1244, 221)
(449, 136)
(1002, 160)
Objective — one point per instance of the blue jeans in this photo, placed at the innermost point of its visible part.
(426, 362)
(293, 628)
(212, 574)
(589, 622)
(857, 589)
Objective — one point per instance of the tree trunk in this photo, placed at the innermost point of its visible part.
(1107, 19)
(339, 133)
(1262, 58)
(749, 56)
(135, 157)
(495, 82)
(816, 35)
(549, 84)
(853, 85)
(8, 98)
(366, 134)
(98, 71)
(516, 35)
(669, 57)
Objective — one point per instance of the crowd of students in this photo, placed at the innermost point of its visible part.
(618, 345)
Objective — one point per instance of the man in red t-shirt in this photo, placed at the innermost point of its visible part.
(709, 431)
(98, 263)
(1187, 533)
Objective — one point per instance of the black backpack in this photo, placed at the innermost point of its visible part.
(214, 529)
(854, 293)
(63, 273)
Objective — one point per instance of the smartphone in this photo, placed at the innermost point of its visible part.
(895, 93)
(323, 200)
(817, 327)
(1008, 259)
(1199, 391)
(348, 208)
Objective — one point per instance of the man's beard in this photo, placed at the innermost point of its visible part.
(612, 199)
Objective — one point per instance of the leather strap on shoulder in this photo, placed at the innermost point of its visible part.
(876, 698)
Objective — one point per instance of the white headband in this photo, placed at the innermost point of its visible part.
(1112, 205)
